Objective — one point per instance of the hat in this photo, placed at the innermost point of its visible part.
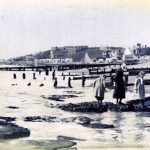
(142, 73)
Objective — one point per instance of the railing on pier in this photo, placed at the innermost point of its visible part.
(59, 67)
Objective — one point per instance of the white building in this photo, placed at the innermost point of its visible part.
(129, 57)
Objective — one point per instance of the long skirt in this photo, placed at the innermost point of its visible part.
(119, 91)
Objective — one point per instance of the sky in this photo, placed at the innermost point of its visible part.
(29, 26)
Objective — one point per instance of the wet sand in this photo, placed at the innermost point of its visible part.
(29, 102)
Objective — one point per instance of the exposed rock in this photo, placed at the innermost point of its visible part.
(53, 144)
(145, 101)
(60, 98)
(132, 105)
(40, 119)
(74, 92)
(143, 114)
(99, 125)
(120, 108)
(41, 85)
(71, 119)
(13, 107)
(141, 108)
(7, 119)
(83, 120)
(60, 137)
(84, 107)
(11, 131)
(79, 120)
(14, 84)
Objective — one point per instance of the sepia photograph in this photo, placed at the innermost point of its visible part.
(74, 74)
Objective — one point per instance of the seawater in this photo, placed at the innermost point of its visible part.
(131, 130)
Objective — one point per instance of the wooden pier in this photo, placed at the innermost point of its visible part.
(131, 71)
(59, 67)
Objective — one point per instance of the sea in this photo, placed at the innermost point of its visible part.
(132, 129)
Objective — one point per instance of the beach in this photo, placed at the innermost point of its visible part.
(131, 129)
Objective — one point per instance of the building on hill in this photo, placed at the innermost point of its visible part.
(71, 50)
(129, 57)
(58, 53)
(116, 52)
(142, 51)
(81, 48)
(112, 54)
(29, 58)
(66, 51)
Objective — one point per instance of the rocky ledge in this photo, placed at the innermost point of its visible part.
(40, 119)
(136, 105)
(87, 122)
(11, 131)
(62, 142)
(58, 97)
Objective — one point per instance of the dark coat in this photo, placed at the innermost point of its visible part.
(119, 90)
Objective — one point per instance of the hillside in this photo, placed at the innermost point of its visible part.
(40, 55)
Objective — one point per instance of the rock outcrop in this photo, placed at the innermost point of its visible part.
(40, 119)
(59, 98)
(59, 143)
(136, 105)
(11, 131)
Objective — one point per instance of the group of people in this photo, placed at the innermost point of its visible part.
(119, 87)
(100, 86)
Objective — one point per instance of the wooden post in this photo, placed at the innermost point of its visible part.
(24, 76)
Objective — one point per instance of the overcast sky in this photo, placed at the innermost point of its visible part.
(28, 26)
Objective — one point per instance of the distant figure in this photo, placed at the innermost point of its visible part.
(119, 90)
(99, 86)
(55, 83)
(14, 76)
(34, 76)
(40, 72)
(29, 84)
(69, 82)
(83, 80)
(24, 76)
(63, 77)
(53, 75)
(47, 72)
(41, 85)
(139, 85)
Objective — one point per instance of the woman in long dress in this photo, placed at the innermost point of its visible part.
(99, 86)
(139, 85)
(119, 89)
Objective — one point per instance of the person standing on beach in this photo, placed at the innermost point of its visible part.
(69, 82)
(55, 83)
(99, 86)
(53, 75)
(139, 85)
(119, 89)
(83, 80)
